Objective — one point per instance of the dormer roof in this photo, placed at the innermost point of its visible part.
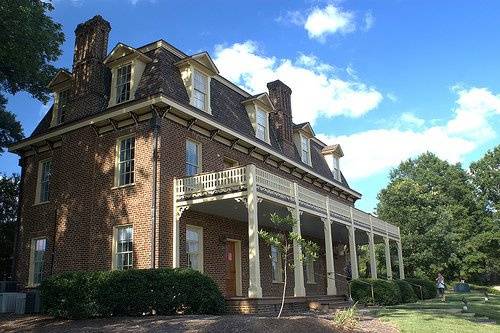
(261, 99)
(333, 149)
(202, 58)
(120, 51)
(305, 127)
(61, 77)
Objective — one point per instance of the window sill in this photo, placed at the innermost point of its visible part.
(41, 203)
(122, 186)
(278, 282)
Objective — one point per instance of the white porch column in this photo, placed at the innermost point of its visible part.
(400, 259)
(331, 288)
(175, 230)
(298, 269)
(373, 262)
(352, 247)
(254, 287)
(388, 258)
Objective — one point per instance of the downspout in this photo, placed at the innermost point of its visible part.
(15, 252)
(155, 124)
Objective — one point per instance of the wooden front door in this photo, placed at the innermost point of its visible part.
(230, 269)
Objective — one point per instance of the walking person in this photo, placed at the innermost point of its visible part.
(440, 286)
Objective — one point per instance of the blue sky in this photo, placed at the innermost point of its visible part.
(387, 80)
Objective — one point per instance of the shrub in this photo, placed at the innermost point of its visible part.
(428, 287)
(385, 292)
(131, 293)
(407, 293)
(346, 318)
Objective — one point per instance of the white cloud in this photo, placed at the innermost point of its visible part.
(316, 90)
(369, 21)
(374, 151)
(329, 20)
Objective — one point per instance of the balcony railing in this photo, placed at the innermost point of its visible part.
(271, 185)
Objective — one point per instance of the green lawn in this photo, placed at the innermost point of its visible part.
(431, 316)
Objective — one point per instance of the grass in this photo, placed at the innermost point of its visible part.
(430, 316)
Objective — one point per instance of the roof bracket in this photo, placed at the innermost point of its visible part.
(293, 169)
(96, 130)
(234, 142)
(280, 163)
(50, 145)
(190, 123)
(113, 123)
(214, 133)
(251, 150)
(134, 117)
(267, 157)
(35, 149)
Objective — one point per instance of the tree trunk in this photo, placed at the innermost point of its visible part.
(284, 290)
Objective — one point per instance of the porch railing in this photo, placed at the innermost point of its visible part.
(210, 181)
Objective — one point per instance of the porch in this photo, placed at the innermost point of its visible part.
(249, 194)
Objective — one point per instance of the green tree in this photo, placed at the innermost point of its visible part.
(283, 240)
(29, 41)
(9, 189)
(434, 204)
(10, 129)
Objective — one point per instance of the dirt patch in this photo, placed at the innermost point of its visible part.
(309, 323)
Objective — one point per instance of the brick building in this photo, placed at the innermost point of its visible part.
(149, 158)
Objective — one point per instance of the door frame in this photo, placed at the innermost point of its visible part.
(237, 262)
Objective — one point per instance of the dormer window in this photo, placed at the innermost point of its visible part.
(196, 73)
(61, 86)
(305, 149)
(336, 168)
(262, 125)
(200, 90)
(127, 65)
(332, 156)
(123, 79)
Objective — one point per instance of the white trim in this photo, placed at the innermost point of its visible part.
(38, 189)
(199, 157)
(114, 244)
(199, 231)
(117, 161)
(31, 276)
(237, 259)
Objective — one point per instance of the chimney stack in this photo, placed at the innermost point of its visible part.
(91, 76)
(280, 93)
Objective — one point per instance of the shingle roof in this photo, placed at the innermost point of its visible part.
(162, 76)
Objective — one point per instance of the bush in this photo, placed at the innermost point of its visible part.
(407, 293)
(346, 318)
(428, 287)
(131, 293)
(385, 292)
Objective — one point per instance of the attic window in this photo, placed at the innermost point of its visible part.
(62, 102)
(200, 90)
(305, 150)
(261, 129)
(123, 79)
(336, 168)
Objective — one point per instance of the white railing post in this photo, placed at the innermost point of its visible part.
(352, 247)
(254, 287)
(388, 258)
(299, 289)
(331, 288)
(175, 230)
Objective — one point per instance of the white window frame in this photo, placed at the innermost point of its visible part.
(31, 278)
(259, 126)
(40, 181)
(115, 253)
(127, 83)
(198, 166)
(305, 149)
(336, 168)
(309, 265)
(276, 271)
(206, 93)
(199, 231)
(119, 162)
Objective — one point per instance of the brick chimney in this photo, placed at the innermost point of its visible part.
(280, 93)
(91, 76)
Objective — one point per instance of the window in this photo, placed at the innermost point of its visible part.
(261, 125)
(38, 247)
(277, 269)
(230, 163)
(336, 168)
(123, 78)
(44, 173)
(124, 247)
(310, 271)
(194, 247)
(200, 90)
(193, 160)
(125, 161)
(304, 149)
(62, 103)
